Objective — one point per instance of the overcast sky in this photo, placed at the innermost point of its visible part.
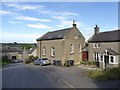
(25, 22)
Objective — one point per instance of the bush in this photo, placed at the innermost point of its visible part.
(67, 64)
(28, 61)
(113, 73)
(87, 63)
(5, 60)
(32, 58)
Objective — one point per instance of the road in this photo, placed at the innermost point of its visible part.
(31, 76)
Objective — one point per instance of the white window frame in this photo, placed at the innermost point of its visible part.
(110, 59)
(96, 56)
(52, 51)
(98, 45)
(101, 59)
(71, 48)
(44, 51)
(94, 45)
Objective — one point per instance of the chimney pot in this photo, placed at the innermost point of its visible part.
(74, 25)
(96, 29)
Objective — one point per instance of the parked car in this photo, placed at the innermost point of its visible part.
(16, 61)
(42, 61)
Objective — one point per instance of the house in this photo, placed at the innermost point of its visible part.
(32, 51)
(11, 53)
(104, 48)
(62, 45)
(85, 53)
(14, 53)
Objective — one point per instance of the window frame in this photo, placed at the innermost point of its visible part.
(112, 59)
(80, 48)
(44, 51)
(52, 51)
(98, 45)
(71, 48)
(96, 56)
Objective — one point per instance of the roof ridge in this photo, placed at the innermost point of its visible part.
(59, 30)
(109, 31)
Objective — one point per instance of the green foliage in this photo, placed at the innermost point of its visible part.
(28, 61)
(5, 60)
(87, 63)
(27, 46)
(67, 64)
(32, 58)
(113, 73)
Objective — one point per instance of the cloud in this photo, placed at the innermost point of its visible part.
(27, 18)
(39, 26)
(3, 12)
(15, 22)
(24, 6)
(20, 37)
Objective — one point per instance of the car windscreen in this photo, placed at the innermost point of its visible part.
(44, 59)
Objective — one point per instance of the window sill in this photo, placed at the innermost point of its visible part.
(52, 56)
(71, 53)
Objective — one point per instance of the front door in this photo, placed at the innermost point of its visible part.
(106, 61)
(13, 57)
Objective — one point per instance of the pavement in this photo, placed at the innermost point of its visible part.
(33, 76)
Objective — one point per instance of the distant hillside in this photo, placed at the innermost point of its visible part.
(19, 45)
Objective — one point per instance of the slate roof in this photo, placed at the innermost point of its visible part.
(9, 49)
(111, 51)
(31, 50)
(58, 34)
(12, 49)
(109, 36)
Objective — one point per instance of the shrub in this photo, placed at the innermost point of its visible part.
(87, 63)
(32, 58)
(67, 64)
(28, 61)
(113, 73)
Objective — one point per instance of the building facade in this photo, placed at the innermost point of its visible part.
(104, 48)
(63, 45)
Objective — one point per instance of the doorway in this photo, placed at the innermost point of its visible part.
(13, 57)
(106, 61)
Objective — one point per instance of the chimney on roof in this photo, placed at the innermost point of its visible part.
(96, 29)
(74, 25)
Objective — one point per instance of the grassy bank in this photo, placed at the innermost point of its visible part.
(109, 74)
(4, 63)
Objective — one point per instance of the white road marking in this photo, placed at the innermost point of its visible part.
(61, 79)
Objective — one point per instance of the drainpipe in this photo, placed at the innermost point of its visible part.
(40, 49)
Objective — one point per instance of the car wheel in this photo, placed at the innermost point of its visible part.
(40, 64)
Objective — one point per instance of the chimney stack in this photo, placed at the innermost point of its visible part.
(96, 29)
(74, 25)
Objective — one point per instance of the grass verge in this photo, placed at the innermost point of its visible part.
(109, 74)
(3, 63)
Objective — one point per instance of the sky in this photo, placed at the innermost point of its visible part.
(24, 22)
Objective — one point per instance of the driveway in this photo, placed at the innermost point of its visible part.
(31, 76)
